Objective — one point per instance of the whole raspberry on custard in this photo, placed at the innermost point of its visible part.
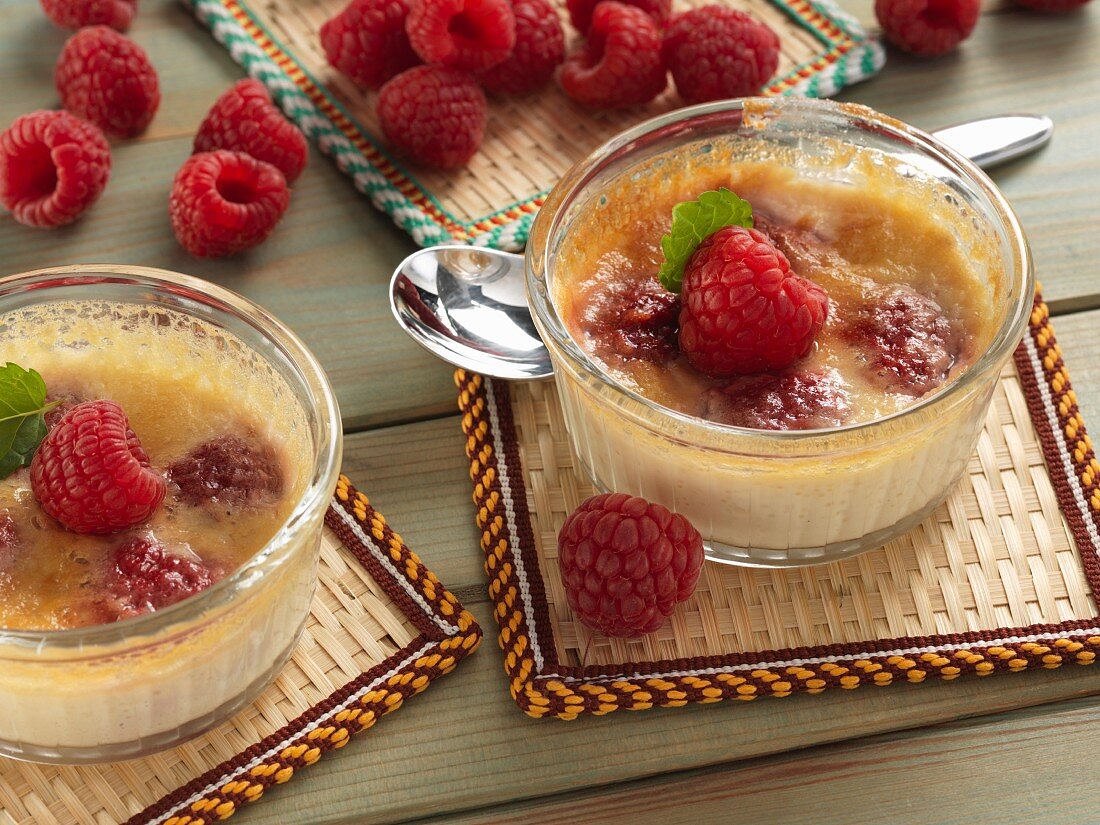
(1051, 6)
(245, 119)
(146, 577)
(108, 79)
(224, 202)
(626, 563)
(580, 11)
(91, 473)
(927, 27)
(716, 52)
(539, 50)
(367, 41)
(228, 470)
(76, 14)
(53, 166)
(434, 115)
(620, 64)
(473, 35)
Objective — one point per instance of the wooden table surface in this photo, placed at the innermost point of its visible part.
(1009, 749)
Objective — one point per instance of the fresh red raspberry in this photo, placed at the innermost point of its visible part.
(53, 166)
(716, 52)
(1051, 6)
(580, 11)
(245, 119)
(927, 27)
(91, 473)
(798, 401)
(108, 79)
(146, 577)
(473, 35)
(224, 202)
(540, 48)
(744, 311)
(76, 14)
(367, 41)
(227, 470)
(434, 114)
(620, 63)
(626, 563)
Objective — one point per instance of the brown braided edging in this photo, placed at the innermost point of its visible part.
(566, 692)
(329, 730)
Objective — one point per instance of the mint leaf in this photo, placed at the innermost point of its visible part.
(693, 222)
(22, 410)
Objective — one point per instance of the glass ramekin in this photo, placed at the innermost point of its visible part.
(780, 499)
(124, 690)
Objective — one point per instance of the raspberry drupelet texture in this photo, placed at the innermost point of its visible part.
(91, 473)
(146, 577)
(53, 166)
(620, 64)
(927, 27)
(580, 11)
(472, 35)
(76, 14)
(228, 470)
(797, 401)
(368, 43)
(108, 79)
(224, 202)
(244, 119)
(434, 115)
(715, 52)
(626, 563)
(539, 50)
(744, 310)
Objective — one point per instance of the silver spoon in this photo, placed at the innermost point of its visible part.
(467, 304)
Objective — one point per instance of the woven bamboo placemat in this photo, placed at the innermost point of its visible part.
(1001, 577)
(530, 142)
(381, 629)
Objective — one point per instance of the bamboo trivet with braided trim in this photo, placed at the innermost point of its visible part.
(1001, 577)
(381, 629)
(530, 141)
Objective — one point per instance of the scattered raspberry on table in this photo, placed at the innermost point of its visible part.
(106, 78)
(927, 28)
(626, 563)
(580, 11)
(539, 50)
(716, 52)
(245, 119)
(620, 64)
(472, 35)
(434, 115)
(224, 202)
(367, 41)
(53, 166)
(76, 14)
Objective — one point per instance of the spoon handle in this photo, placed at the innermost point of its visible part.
(994, 140)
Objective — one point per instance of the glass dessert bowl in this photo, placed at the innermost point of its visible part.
(116, 642)
(929, 280)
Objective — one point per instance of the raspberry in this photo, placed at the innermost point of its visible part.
(465, 34)
(146, 577)
(228, 469)
(744, 311)
(620, 63)
(580, 11)
(65, 402)
(76, 14)
(434, 114)
(53, 166)
(927, 27)
(799, 401)
(1051, 6)
(367, 41)
(91, 473)
(715, 52)
(245, 120)
(540, 48)
(107, 79)
(633, 320)
(224, 202)
(908, 343)
(626, 563)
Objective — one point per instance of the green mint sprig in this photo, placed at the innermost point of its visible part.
(23, 409)
(693, 222)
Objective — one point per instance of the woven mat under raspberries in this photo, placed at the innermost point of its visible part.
(1000, 578)
(381, 629)
(530, 141)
